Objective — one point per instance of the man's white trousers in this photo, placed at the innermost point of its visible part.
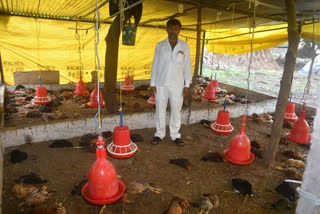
(175, 96)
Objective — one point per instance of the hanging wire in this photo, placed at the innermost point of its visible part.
(97, 116)
(77, 36)
(251, 53)
(306, 90)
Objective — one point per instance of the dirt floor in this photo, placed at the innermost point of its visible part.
(65, 167)
(65, 105)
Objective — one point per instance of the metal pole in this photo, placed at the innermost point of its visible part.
(202, 54)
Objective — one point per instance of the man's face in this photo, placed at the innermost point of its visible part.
(173, 32)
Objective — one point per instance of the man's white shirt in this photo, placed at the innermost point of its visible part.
(171, 68)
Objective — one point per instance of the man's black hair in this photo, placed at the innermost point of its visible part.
(173, 22)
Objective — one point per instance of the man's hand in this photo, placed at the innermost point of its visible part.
(185, 91)
(153, 90)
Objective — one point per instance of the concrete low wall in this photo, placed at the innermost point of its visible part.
(72, 86)
(73, 128)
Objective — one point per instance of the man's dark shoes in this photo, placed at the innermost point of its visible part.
(156, 140)
(178, 141)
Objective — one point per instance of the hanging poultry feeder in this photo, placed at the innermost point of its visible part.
(222, 124)
(81, 88)
(215, 84)
(210, 93)
(239, 151)
(103, 186)
(41, 97)
(122, 146)
(300, 130)
(290, 114)
(93, 99)
(127, 86)
(152, 101)
(129, 35)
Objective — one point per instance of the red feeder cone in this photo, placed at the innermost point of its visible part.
(103, 186)
(290, 114)
(93, 99)
(300, 130)
(127, 86)
(81, 88)
(210, 93)
(41, 96)
(152, 101)
(222, 124)
(215, 84)
(239, 151)
(122, 146)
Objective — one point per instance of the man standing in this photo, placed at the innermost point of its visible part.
(170, 80)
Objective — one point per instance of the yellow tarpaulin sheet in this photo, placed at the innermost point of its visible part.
(40, 44)
(238, 41)
(28, 44)
(310, 30)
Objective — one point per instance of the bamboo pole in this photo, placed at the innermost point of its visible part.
(202, 53)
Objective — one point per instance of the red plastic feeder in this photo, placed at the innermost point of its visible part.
(81, 88)
(41, 96)
(127, 86)
(290, 114)
(215, 84)
(152, 101)
(239, 151)
(93, 99)
(222, 124)
(103, 186)
(300, 130)
(122, 146)
(210, 93)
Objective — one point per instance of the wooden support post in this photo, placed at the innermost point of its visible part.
(196, 66)
(111, 66)
(202, 53)
(198, 45)
(286, 82)
(1, 71)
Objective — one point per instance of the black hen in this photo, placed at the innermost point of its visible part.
(213, 156)
(184, 163)
(61, 144)
(31, 178)
(77, 188)
(16, 156)
(286, 190)
(241, 186)
(136, 138)
(205, 123)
